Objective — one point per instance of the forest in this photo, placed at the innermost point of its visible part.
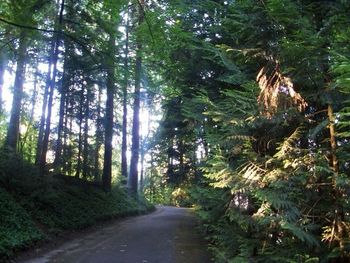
(238, 108)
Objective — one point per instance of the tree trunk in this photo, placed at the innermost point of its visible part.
(52, 82)
(63, 100)
(135, 148)
(332, 139)
(142, 155)
(46, 136)
(80, 139)
(39, 145)
(151, 179)
(98, 136)
(107, 163)
(31, 114)
(69, 155)
(339, 217)
(124, 164)
(63, 162)
(13, 129)
(3, 62)
(143, 152)
(86, 135)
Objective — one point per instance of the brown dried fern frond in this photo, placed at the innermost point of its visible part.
(277, 92)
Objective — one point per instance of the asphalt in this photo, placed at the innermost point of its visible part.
(169, 235)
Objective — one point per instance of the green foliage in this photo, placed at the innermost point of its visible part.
(17, 229)
(272, 189)
(34, 208)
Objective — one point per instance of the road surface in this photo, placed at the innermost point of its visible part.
(166, 236)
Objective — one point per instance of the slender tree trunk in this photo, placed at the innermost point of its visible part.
(80, 139)
(124, 164)
(135, 148)
(142, 155)
(63, 162)
(98, 137)
(13, 129)
(143, 152)
(86, 135)
(151, 179)
(39, 146)
(107, 164)
(63, 99)
(332, 139)
(3, 63)
(181, 164)
(339, 217)
(69, 155)
(52, 83)
(45, 143)
(31, 114)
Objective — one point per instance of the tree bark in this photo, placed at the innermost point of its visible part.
(63, 100)
(3, 63)
(98, 137)
(69, 154)
(332, 139)
(52, 83)
(339, 217)
(135, 148)
(124, 164)
(13, 129)
(63, 161)
(107, 163)
(39, 145)
(80, 139)
(86, 135)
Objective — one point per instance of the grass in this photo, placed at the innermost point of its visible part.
(34, 209)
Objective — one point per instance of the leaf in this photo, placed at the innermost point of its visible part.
(318, 129)
(300, 233)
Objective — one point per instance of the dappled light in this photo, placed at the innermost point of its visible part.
(277, 92)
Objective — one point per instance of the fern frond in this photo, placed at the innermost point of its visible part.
(300, 233)
(289, 143)
(252, 173)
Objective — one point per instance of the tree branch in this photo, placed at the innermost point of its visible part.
(28, 27)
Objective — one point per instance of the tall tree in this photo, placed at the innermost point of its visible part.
(80, 133)
(62, 108)
(52, 84)
(135, 147)
(86, 134)
(124, 161)
(13, 129)
(41, 131)
(108, 125)
(3, 63)
(98, 135)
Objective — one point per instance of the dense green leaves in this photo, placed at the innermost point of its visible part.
(274, 160)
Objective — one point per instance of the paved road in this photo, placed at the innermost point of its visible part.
(166, 236)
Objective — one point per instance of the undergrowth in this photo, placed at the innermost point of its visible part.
(34, 208)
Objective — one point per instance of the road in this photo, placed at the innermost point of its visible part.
(166, 236)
